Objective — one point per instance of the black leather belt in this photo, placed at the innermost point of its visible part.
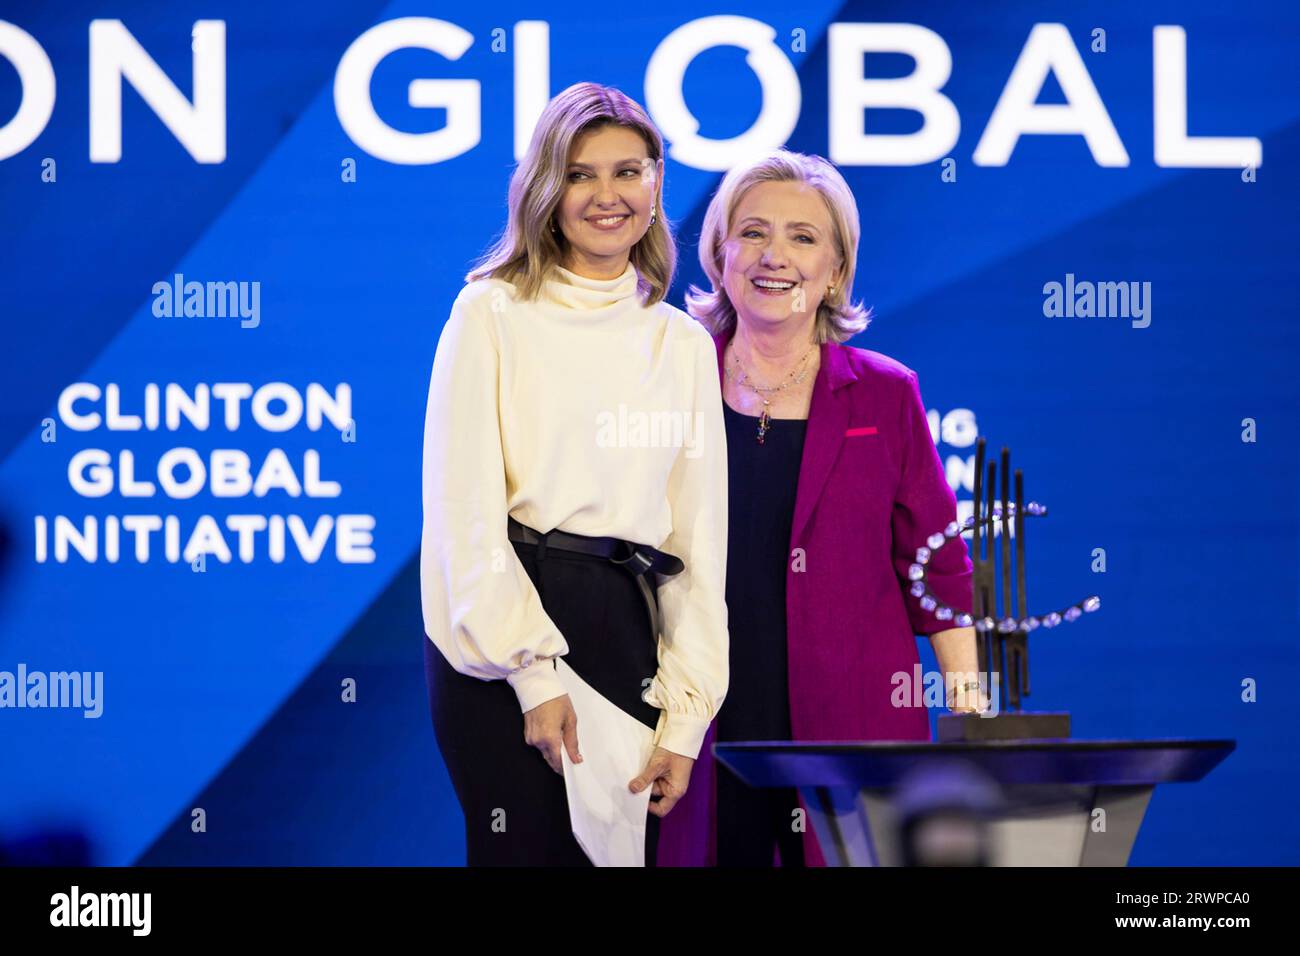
(637, 559)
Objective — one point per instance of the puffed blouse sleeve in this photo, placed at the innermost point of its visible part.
(480, 607)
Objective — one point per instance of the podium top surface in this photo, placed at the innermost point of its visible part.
(881, 763)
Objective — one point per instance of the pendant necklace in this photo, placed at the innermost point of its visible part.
(795, 377)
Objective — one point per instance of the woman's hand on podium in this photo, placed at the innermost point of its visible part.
(550, 726)
(970, 702)
(668, 775)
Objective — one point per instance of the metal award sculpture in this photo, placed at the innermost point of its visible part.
(1002, 634)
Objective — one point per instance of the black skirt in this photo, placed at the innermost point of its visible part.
(514, 804)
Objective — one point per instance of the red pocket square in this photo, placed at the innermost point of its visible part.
(866, 430)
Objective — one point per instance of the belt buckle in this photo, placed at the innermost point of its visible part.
(637, 562)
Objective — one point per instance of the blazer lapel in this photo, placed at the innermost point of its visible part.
(828, 417)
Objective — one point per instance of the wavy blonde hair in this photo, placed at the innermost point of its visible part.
(527, 250)
(838, 316)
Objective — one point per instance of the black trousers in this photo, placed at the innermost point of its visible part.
(514, 804)
(753, 821)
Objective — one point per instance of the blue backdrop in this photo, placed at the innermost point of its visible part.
(221, 687)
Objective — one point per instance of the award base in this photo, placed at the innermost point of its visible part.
(960, 728)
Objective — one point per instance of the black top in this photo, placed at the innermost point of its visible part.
(761, 488)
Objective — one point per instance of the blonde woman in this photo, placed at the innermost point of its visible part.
(834, 485)
(549, 534)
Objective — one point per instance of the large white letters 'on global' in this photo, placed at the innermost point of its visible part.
(780, 84)
(1049, 49)
(460, 98)
(200, 126)
(115, 55)
(851, 93)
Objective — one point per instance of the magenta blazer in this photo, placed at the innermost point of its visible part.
(871, 490)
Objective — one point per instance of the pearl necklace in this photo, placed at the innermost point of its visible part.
(795, 377)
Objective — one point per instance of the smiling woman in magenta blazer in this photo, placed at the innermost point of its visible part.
(834, 484)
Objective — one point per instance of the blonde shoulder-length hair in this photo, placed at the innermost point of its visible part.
(838, 317)
(527, 250)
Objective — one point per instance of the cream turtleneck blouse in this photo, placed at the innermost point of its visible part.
(588, 412)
